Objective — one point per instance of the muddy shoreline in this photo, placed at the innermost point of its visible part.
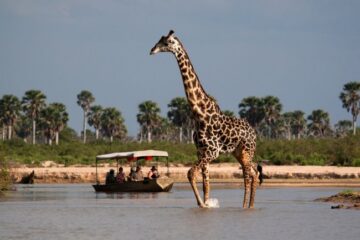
(225, 173)
(346, 199)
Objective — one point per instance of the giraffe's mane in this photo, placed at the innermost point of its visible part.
(202, 88)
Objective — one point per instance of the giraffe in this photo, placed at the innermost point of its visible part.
(215, 133)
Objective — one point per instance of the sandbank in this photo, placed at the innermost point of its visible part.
(221, 173)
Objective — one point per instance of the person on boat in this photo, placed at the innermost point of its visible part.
(120, 177)
(110, 177)
(153, 173)
(139, 174)
(132, 174)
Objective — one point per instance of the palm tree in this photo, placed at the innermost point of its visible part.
(112, 123)
(47, 124)
(282, 126)
(272, 108)
(148, 116)
(94, 118)
(32, 103)
(343, 127)
(179, 114)
(53, 120)
(350, 98)
(291, 124)
(298, 123)
(85, 99)
(23, 127)
(9, 112)
(252, 110)
(164, 130)
(61, 117)
(229, 113)
(3, 128)
(320, 123)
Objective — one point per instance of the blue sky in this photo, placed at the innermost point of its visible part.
(300, 51)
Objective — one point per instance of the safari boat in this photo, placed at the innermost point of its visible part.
(161, 184)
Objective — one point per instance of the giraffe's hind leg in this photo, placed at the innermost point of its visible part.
(250, 176)
(254, 183)
(247, 182)
(192, 179)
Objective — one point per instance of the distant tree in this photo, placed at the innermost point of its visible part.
(148, 117)
(23, 127)
(319, 123)
(179, 114)
(229, 113)
(343, 127)
(112, 124)
(3, 127)
(282, 126)
(271, 108)
(298, 123)
(85, 99)
(53, 120)
(61, 117)
(164, 130)
(9, 112)
(350, 98)
(251, 108)
(94, 118)
(33, 102)
(68, 135)
(46, 123)
(291, 124)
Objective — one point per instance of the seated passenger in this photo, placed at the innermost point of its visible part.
(138, 174)
(132, 175)
(120, 177)
(153, 173)
(110, 177)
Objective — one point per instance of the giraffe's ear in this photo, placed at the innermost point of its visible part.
(171, 33)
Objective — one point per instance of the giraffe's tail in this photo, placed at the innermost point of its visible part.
(261, 176)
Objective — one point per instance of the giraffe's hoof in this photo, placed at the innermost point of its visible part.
(212, 203)
(204, 206)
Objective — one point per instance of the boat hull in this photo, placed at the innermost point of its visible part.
(153, 185)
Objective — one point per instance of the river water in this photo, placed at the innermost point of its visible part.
(45, 211)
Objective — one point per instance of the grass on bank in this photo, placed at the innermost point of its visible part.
(327, 151)
(5, 180)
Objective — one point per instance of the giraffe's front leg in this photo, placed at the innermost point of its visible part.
(206, 182)
(192, 179)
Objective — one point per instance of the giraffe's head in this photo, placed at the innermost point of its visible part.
(167, 43)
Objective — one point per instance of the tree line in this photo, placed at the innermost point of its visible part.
(32, 119)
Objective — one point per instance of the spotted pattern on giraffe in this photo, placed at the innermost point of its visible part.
(214, 133)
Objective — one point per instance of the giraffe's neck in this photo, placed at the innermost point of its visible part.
(201, 103)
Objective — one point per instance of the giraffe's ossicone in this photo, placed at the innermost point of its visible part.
(215, 133)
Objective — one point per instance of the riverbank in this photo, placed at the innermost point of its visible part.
(274, 175)
(348, 200)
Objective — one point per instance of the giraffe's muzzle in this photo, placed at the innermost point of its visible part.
(154, 50)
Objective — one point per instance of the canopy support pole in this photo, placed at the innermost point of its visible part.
(167, 165)
(97, 180)
(117, 165)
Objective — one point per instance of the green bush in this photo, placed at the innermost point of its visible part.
(314, 159)
(356, 162)
(326, 151)
(5, 180)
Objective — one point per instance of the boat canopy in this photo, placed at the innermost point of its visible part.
(134, 155)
